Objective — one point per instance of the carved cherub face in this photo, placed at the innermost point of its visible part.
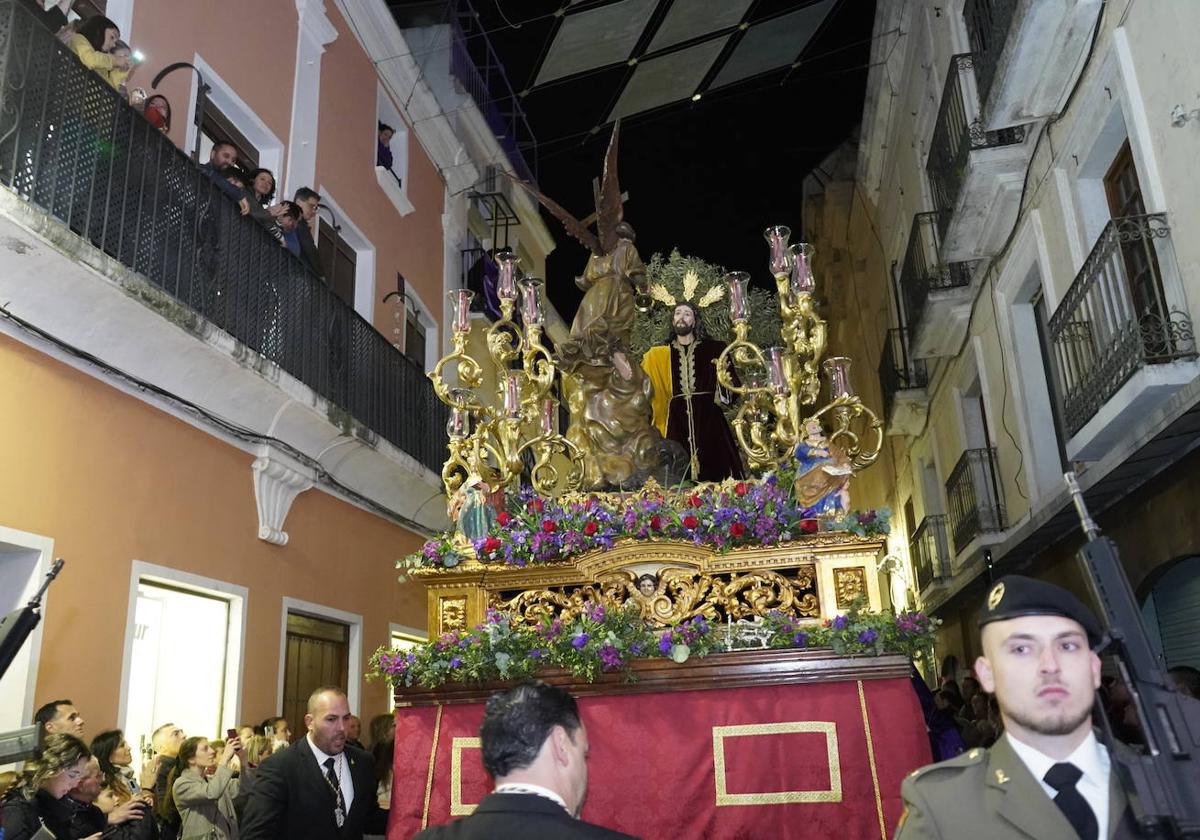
(647, 585)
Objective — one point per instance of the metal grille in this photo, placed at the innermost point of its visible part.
(958, 132)
(898, 371)
(923, 270)
(988, 23)
(930, 551)
(976, 501)
(70, 145)
(1114, 318)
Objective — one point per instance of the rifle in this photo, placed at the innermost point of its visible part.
(1163, 783)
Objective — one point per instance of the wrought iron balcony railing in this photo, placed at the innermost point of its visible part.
(1114, 319)
(930, 551)
(923, 270)
(988, 24)
(71, 146)
(958, 132)
(975, 496)
(898, 371)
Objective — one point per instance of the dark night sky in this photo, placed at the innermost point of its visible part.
(706, 177)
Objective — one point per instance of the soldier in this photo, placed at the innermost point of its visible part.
(1047, 777)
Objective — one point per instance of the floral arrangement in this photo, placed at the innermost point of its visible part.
(602, 641)
(533, 529)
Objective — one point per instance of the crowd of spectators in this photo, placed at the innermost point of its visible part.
(191, 786)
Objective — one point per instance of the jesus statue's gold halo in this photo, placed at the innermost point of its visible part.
(690, 281)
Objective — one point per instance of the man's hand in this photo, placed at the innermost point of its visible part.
(244, 206)
(277, 210)
(622, 365)
(134, 809)
(149, 776)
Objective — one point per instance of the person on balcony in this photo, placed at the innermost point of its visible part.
(55, 17)
(383, 153)
(93, 42)
(308, 201)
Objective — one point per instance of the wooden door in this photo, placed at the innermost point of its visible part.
(1124, 192)
(317, 654)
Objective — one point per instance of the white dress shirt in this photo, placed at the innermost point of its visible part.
(341, 769)
(1090, 757)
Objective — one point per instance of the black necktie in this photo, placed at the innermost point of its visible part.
(339, 813)
(1062, 777)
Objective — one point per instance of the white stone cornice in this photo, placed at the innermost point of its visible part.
(278, 480)
(380, 35)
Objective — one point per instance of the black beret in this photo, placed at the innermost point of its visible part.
(1014, 596)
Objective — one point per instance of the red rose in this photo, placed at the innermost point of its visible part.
(690, 521)
(536, 505)
(809, 526)
(548, 526)
(490, 544)
(694, 501)
(737, 529)
(590, 528)
(740, 488)
(656, 523)
(503, 518)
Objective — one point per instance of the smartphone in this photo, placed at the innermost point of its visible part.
(231, 733)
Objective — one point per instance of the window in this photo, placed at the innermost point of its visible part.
(1124, 193)
(180, 670)
(339, 262)
(215, 128)
(414, 337)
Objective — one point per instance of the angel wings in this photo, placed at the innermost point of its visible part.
(609, 206)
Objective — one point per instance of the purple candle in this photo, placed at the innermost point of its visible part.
(739, 299)
(777, 237)
(549, 409)
(776, 370)
(531, 305)
(838, 370)
(460, 306)
(512, 396)
(802, 279)
(506, 285)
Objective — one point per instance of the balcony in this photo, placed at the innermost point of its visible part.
(902, 380)
(930, 552)
(975, 496)
(123, 248)
(1010, 40)
(974, 174)
(1122, 340)
(935, 295)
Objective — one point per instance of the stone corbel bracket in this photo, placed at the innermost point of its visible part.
(278, 480)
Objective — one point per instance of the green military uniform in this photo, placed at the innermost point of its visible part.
(989, 795)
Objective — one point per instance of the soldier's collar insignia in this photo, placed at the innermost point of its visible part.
(1001, 777)
(996, 595)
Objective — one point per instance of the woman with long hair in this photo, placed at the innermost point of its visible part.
(116, 763)
(33, 803)
(262, 187)
(93, 43)
(205, 803)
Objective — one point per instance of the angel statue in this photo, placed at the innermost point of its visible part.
(610, 403)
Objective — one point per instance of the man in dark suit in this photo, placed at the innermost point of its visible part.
(535, 746)
(318, 788)
(308, 201)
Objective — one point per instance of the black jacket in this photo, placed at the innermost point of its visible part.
(291, 799)
(308, 249)
(23, 817)
(521, 816)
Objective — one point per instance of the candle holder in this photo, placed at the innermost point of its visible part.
(777, 384)
(488, 439)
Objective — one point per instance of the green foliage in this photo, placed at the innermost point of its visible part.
(652, 327)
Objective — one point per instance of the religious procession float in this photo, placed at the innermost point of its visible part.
(682, 555)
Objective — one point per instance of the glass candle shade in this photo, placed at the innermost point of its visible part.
(837, 368)
(512, 396)
(549, 409)
(531, 303)
(777, 370)
(739, 296)
(802, 278)
(777, 237)
(459, 424)
(506, 285)
(460, 307)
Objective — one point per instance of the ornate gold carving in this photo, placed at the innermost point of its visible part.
(452, 615)
(849, 583)
(827, 728)
(679, 594)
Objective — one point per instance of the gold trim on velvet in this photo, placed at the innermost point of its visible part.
(862, 702)
(457, 807)
(437, 730)
(827, 728)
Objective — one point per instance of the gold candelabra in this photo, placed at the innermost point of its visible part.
(776, 384)
(489, 439)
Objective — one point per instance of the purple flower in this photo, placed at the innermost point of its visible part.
(800, 639)
(456, 662)
(596, 613)
(840, 623)
(868, 636)
(535, 654)
(664, 643)
(610, 657)
(580, 641)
